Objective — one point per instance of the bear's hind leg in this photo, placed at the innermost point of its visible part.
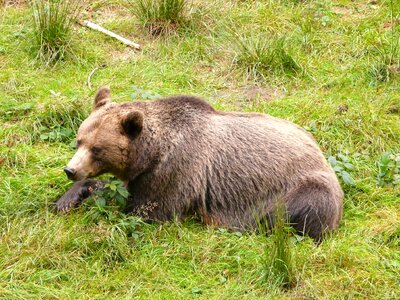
(315, 207)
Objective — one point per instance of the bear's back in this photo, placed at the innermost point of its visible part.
(255, 138)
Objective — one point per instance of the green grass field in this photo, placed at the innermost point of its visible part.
(329, 66)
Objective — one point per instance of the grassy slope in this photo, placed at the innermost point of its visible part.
(43, 255)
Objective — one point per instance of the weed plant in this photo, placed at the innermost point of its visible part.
(389, 170)
(53, 21)
(342, 166)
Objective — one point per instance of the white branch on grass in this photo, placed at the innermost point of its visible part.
(112, 34)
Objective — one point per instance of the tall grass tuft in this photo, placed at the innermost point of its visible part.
(159, 16)
(394, 55)
(53, 21)
(262, 56)
(279, 268)
(386, 61)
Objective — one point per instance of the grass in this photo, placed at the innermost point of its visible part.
(93, 253)
(262, 55)
(53, 21)
(278, 256)
(159, 16)
(387, 63)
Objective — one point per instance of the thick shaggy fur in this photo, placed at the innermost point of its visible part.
(180, 157)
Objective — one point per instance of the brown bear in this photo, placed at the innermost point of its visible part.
(179, 157)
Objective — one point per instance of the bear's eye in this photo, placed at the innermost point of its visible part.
(96, 150)
(77, 144)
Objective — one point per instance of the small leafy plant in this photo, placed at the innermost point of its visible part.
(159, 16)
(15, 109)
(113, 194)
(53, 21)
(119, 232)
(108, 205)
(389, 170)
(139, 93)
(59, 134)
(341, 165)
(311, 127)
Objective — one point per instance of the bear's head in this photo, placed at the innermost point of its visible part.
(104, 139)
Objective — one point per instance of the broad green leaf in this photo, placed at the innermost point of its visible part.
(332, 161)
(101, 202)
(347, 178)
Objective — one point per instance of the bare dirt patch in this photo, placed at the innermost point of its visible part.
(344, 11)
(13, 2)
(106, 13)
(357, 12)
(260, 93)
(125, 54)
(250, 94)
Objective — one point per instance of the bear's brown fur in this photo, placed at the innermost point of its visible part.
(180, 157)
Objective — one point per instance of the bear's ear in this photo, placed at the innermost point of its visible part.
(132, 124)
(103, 97)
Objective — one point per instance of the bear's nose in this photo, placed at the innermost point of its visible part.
(70, 172)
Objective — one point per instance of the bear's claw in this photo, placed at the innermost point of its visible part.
(66, 203)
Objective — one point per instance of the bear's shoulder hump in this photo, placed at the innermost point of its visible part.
(191, 102)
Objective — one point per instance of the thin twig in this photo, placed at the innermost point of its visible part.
(91, 74)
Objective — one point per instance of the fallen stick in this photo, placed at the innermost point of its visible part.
(112, 34)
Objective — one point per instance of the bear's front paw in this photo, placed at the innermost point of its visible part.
(67, 202)
(79, 192)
